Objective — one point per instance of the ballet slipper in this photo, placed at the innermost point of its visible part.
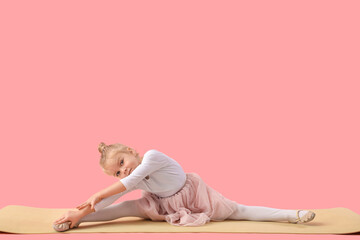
(309, 216)
(62, 227)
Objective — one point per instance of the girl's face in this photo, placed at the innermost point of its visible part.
(122, 165)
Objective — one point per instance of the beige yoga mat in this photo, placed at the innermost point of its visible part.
(23, 219)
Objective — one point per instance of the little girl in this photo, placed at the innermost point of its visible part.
(169, 194)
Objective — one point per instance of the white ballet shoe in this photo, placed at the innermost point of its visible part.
(309, 216)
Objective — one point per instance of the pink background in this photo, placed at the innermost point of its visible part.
(260, 98)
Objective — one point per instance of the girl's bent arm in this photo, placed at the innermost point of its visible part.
(116, 188)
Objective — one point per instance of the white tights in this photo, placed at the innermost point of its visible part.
(252, 213)
(123, 209)
(257, 213)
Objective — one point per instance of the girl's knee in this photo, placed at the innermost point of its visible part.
(135, 205)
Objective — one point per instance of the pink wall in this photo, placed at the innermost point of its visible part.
(260, 98)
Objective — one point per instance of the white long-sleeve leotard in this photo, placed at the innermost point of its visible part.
(166, 177)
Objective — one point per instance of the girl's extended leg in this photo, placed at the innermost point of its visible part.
(123, 209)
(258, 213)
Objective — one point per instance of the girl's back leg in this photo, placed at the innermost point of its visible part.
(258, 213)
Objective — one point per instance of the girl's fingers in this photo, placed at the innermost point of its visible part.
(82, 206)
(61, 220)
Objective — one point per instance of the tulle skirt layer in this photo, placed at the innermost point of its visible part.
(194, 205)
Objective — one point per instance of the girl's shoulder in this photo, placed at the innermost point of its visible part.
(155, 155)
(151, 152)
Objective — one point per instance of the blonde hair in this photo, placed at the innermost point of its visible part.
(109, 151)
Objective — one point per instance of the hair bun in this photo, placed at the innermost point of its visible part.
(102, 147)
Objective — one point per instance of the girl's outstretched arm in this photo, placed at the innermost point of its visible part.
(115, 188)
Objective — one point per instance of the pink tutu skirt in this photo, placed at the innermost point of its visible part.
(194, 205)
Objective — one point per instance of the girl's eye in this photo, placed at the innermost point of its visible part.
(122, 162)
(117, 173)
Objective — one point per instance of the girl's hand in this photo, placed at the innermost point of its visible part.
(91, 201)
(72, 216)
